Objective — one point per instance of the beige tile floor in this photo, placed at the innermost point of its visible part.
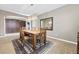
(58, 47)
(6, 47)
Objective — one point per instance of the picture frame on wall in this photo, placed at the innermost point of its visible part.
(47, 23)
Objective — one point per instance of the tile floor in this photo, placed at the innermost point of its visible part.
(59, 47)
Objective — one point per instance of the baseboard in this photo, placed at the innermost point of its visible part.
(11, 34)
(6, 35)
(62, 40)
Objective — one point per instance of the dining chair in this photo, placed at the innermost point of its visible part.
(33, 28)
(24, 37)
(41, 39)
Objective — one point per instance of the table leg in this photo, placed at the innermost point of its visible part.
(34, 42)
(45, 39)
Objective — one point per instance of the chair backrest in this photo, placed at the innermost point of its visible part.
(22, 35)
(35, 28)
(42, 33)
(23, 28)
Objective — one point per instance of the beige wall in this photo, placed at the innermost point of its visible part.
(65, 22)
(1, 24)
(4, 14)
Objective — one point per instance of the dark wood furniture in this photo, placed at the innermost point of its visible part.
(78, 42)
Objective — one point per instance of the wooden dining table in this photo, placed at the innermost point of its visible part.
(34, 35)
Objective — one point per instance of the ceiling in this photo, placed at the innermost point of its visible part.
(29, 9)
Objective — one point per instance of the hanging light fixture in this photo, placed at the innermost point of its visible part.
(32, 17)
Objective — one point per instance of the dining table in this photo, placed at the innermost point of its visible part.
(34, 34)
